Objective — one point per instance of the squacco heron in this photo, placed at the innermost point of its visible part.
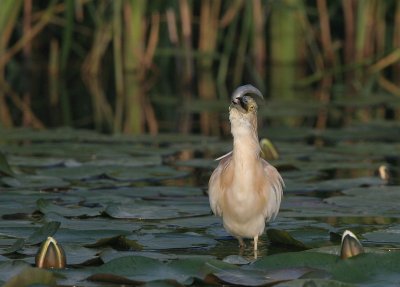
(244, 189)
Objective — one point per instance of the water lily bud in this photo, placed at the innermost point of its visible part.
(384, 173)
(268, 150)
(50, 255)
(351, 246)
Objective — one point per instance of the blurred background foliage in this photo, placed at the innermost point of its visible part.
(137, 66)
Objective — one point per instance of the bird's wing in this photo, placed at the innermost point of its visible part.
(273, 191)
(216, 188)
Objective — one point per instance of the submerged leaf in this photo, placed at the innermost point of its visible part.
(315, 282)
(4, 166)
(140, 269)
(119, 242)
(260, 278)
(281, 237)
(32, 276)
(40, 235)
(18, 244)
(46, 206)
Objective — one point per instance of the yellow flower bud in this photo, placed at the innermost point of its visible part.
(351, 246)
(50, 255)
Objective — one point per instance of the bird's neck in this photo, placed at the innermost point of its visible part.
(245, 144)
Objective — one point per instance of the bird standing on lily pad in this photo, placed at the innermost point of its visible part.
(244, 189)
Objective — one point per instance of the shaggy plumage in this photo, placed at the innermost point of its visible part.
(245, 190)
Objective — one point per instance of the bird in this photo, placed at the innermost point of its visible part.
(244, 189)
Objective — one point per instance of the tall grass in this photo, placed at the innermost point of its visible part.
(205, 48)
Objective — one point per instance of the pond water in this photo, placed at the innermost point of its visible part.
(134, 209)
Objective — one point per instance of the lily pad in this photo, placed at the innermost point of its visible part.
(40, 235)
(34, 181)
(282, 237)
(174, 241)
(46, 206)
(4, 166)
(380, 200)
(259, 278)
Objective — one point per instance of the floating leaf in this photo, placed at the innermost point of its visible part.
(18, 244)
(140, 269)
(34, 181)
(119, 242)
(174, 241)
(314, 282)
(281, 237)
(4, 166)
(32, 276)
(380, 200)
(314, 260)
(259, 278)
(40, 235)
(46, 206)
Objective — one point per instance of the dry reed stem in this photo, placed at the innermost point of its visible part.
(386, 61)
(171, 25)
(389, 86)
(231, 13)
(326, 39)
(153, 40)
(259, 48)
(20, 44)
(21, 105)
(349, 22)
(396, 42)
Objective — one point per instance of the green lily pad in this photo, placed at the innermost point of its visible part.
(388, 236)
(34, 181)
(138, 269)
(379, 200)
(40, 235)
(18, 244)
(281, 237)
(259, 278)
(4, 166)
(119, 242)
(174, 241)
(153, 210)
(119, 173)
(98, 223)
(84, 237)
(11, 268)
(46, 206)
(315, 282)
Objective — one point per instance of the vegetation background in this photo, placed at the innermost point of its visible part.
(137, 66)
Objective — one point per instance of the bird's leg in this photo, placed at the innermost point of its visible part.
(241, 242)
(255, 247)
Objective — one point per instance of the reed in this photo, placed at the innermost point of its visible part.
(8, 16)
(196, 50)
(208, 36)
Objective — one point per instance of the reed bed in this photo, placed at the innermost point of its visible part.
(139, 60)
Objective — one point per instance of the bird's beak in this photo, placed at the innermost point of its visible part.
(239, 101)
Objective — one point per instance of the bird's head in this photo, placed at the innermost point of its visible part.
(243, 108)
